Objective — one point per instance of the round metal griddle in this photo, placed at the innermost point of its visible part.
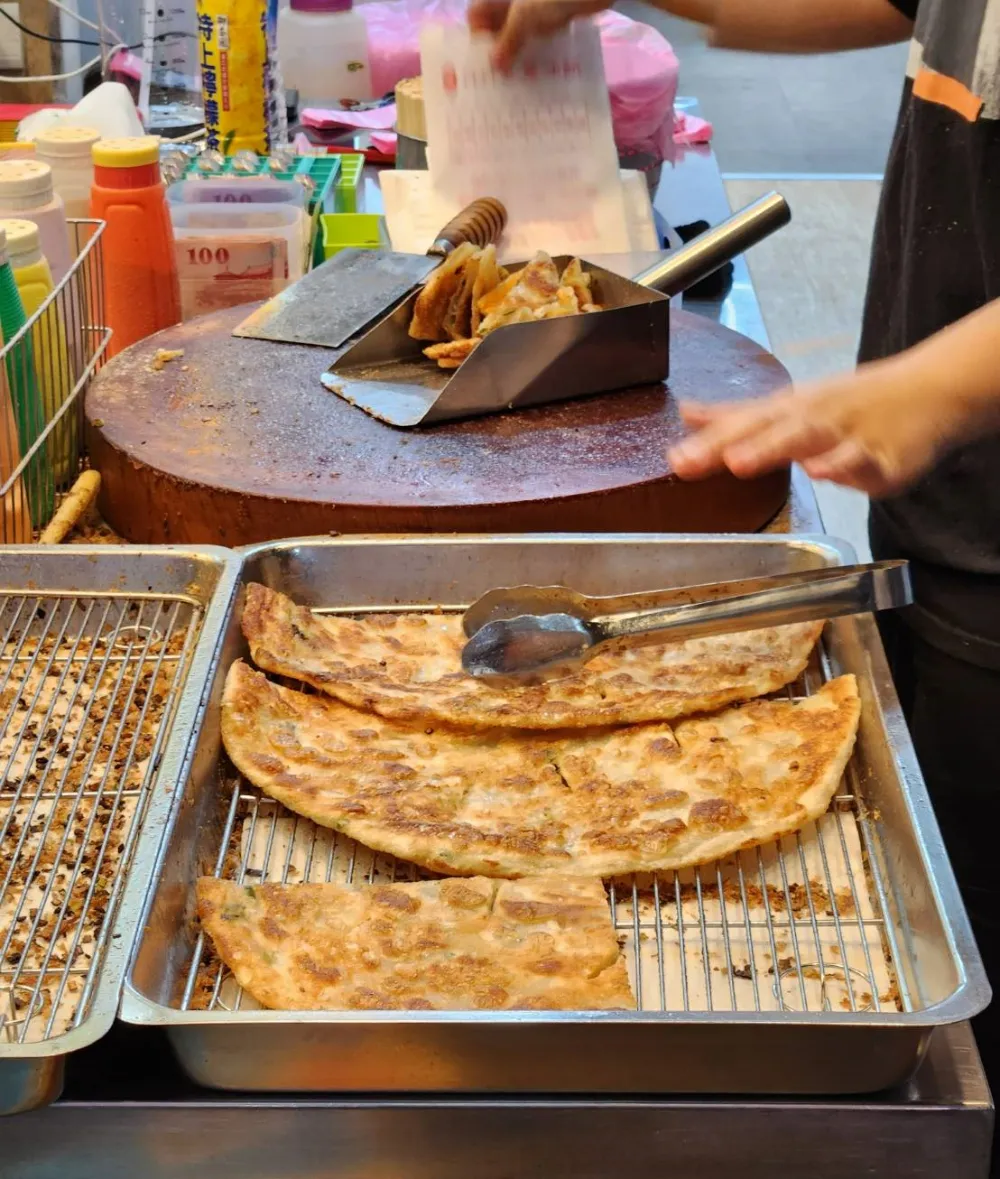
(238, 442)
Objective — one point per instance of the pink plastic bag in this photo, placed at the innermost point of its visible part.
(641, 67)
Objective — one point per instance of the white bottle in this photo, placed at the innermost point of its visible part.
(67, 152)
(323, 52)
(26, 191)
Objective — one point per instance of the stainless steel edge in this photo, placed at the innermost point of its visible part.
(31, 1073)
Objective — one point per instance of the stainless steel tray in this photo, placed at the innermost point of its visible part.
(823, 970)
(104, 656)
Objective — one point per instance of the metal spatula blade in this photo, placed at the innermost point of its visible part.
(332, 303)
(341, 297)
(565, 636)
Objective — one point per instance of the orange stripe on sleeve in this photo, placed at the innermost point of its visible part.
(944, 91)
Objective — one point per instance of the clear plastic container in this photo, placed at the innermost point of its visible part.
(323, 52)
(67, 152)
(52, 362)
(26, 192)
(232, 254)
(250, 190)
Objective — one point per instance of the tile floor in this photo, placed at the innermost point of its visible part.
(828, 114)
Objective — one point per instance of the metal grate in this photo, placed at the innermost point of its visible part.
(88, 690)
(802, 924)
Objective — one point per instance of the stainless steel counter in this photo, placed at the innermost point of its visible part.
(939, 1126)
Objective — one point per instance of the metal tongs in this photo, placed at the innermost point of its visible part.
(527, 630)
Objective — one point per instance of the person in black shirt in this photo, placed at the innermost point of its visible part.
(918, 424)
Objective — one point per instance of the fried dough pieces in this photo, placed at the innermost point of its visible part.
(471, 295)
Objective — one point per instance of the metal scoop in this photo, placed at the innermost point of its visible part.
(530, 630)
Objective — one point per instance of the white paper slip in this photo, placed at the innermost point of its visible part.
(540, 139)
(415, 213)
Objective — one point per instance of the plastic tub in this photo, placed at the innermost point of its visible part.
(231, 254)
(232, 190)
(362, 231)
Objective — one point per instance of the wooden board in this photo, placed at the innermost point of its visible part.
(237, 442)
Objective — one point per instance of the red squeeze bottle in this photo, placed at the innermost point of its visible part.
(142, 293)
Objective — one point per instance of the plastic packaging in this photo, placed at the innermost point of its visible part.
(142, 292)
(52, 363)
(109, 109)
(323, 52)
(67, 151)
(26, 191)
(231, 254)
(28, 411)
(235, 78)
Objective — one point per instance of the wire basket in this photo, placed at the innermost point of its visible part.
(44, 371)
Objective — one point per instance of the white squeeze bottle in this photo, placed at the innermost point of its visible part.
(323, 52)
(67, 152)
(26, 192)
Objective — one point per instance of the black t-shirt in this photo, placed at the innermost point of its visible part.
(936, 258)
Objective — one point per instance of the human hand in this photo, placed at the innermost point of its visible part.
(515, 22)
(877, 430)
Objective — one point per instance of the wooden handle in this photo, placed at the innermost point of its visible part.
(480, 223)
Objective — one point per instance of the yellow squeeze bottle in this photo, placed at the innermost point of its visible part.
(52, 366)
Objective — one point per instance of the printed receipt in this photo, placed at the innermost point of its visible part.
(540, 139)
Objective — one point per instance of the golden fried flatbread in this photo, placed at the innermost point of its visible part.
(458, 317)
(575, 277)
(488, 278)
(451, 352)
(597, 803)
(565, 303)
(537, 285)
(432, 303)
(488, 303)
(409, 666)
(444, 945)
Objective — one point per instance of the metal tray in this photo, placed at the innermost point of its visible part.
(749, 996)
(105, 655)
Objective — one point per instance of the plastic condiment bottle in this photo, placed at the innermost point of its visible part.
(28, 409)
(67, 152)
(26, 191)
(323, 52)
(141, 290)
(52, 365)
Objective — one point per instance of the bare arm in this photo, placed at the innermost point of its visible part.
(768, 26)
(878, 429)
(803, 26)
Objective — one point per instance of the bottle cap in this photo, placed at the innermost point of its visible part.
(67, 141)
(25, 180)
(127, 153)
(321, 5)
(22, 241)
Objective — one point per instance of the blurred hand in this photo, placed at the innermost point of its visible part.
(877, 430)
(515, 22)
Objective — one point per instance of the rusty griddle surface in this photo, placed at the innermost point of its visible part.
(237, 442)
